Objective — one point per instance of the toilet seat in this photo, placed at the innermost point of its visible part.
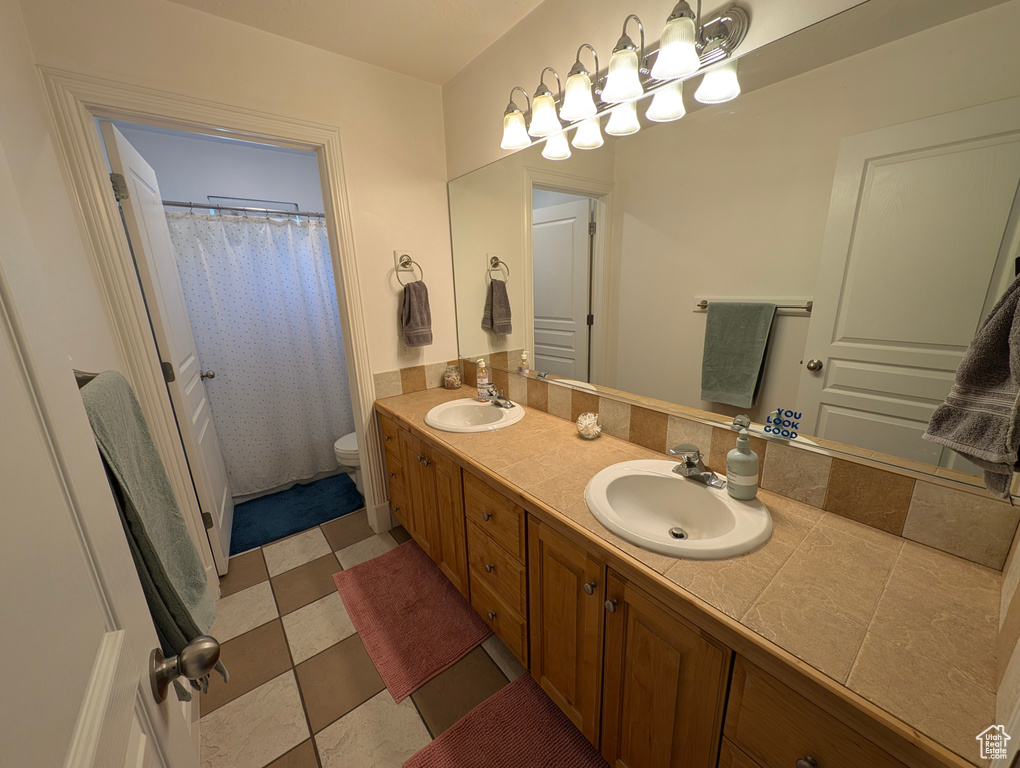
(346, 449)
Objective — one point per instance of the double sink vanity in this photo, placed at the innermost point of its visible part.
(569, 550)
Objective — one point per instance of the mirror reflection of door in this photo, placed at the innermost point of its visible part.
(921, 241)
(561, 264)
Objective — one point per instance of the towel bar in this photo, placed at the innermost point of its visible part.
(701, 305)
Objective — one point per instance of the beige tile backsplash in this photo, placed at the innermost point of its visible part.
(966, 524)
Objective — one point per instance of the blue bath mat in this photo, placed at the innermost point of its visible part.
(269, 518)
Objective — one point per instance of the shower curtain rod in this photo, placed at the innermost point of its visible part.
(239, 209)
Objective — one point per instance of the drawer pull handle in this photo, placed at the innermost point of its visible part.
(426, 463)
(396, 509)
(393, 474)
(806, 762)
(387, 438)
(589, 587)
(486, 516)
(611, 607)
(491, 615)
(489, 567)
(421, 458)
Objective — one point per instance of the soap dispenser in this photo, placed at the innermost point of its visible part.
(522, 368)
(742, 469)
(482, 380)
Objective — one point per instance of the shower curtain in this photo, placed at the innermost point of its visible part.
(263, 310)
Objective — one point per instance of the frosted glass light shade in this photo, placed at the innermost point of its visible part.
(623, 82)
(719, 85)
(515, 134)
(623, 121)
(578, 103)
(677, 55)
(556, 147)
(543, 116)
(667, 104)
(588, 135)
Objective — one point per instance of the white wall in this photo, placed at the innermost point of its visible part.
(474, 99)
(391, 127)
(732, 201)
(192, 166)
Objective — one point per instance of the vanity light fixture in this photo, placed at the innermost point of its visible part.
(588, 134)
(623, 83)
(578, 102)
(678, 52)
(556, 147)
(515, 131)
(667, 103)
(623, 120)
(719, 85)
(544, 121)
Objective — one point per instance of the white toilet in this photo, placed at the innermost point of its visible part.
(346, 450)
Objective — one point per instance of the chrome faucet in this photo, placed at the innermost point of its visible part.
(496, 398)
(693, 467)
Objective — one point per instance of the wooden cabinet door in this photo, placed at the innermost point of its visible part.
(420, 491)
(449, 550)
(663, 685)
(566, 625)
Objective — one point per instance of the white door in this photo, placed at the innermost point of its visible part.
(157, 270)
(920, 243)
(560, 243)
(76, 632)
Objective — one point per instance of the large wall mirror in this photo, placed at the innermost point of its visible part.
(865, 182)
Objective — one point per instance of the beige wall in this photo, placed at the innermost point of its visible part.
(391, 127)
(488, 207)
(474, 99)
(732, 201)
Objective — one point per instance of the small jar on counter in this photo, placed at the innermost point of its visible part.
(451, 378)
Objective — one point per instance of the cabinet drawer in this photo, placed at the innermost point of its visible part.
(508, 626)
(398, 506)
(495, 514)
(776, 726)
(394, 473)
(390, 430)
(731, 757)
(493, 565)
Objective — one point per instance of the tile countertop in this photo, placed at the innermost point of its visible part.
(911, 629)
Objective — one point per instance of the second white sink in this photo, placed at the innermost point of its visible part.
(647, 504)
(469, 415)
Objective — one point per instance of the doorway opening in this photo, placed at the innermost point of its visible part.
(565, 304)
(232, 256)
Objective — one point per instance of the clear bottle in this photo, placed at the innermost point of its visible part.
(523, 367)
(451, 378)
(482, 380)
(742, 469)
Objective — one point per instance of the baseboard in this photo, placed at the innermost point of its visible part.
(380, 519)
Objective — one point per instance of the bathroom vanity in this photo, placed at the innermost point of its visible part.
(654, 674)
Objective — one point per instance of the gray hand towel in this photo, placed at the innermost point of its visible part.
(416, 315)
(980, 418)
(169, 567)
(496, 315)
(736, 342)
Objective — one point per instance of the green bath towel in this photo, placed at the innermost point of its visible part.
(736, 341)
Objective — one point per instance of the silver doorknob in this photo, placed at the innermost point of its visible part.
(196, 661)
(208, 374)
(814, 365)
(806, 762)
(589, 587)
(611, 605)
(489, 567)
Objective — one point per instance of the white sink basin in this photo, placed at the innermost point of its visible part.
(469, 415)
(647, 504)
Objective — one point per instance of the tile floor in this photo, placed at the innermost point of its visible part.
(303, 692)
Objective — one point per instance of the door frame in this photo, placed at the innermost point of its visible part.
(602, 193)
(76, 100)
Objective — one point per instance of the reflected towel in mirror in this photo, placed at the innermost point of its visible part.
(736, 342)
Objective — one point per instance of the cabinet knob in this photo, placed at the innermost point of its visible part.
(491, 615)
(427, 463)
(393, 474)
(589, 587)
(806, 762)
(486, 516)
(387, 438)
(421, 458)
(611, 605)
(489, 567)
(396, 509)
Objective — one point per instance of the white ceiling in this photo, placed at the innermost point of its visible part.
(428, 39)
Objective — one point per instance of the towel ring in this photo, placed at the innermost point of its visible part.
(497, 263)
(406, 262)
